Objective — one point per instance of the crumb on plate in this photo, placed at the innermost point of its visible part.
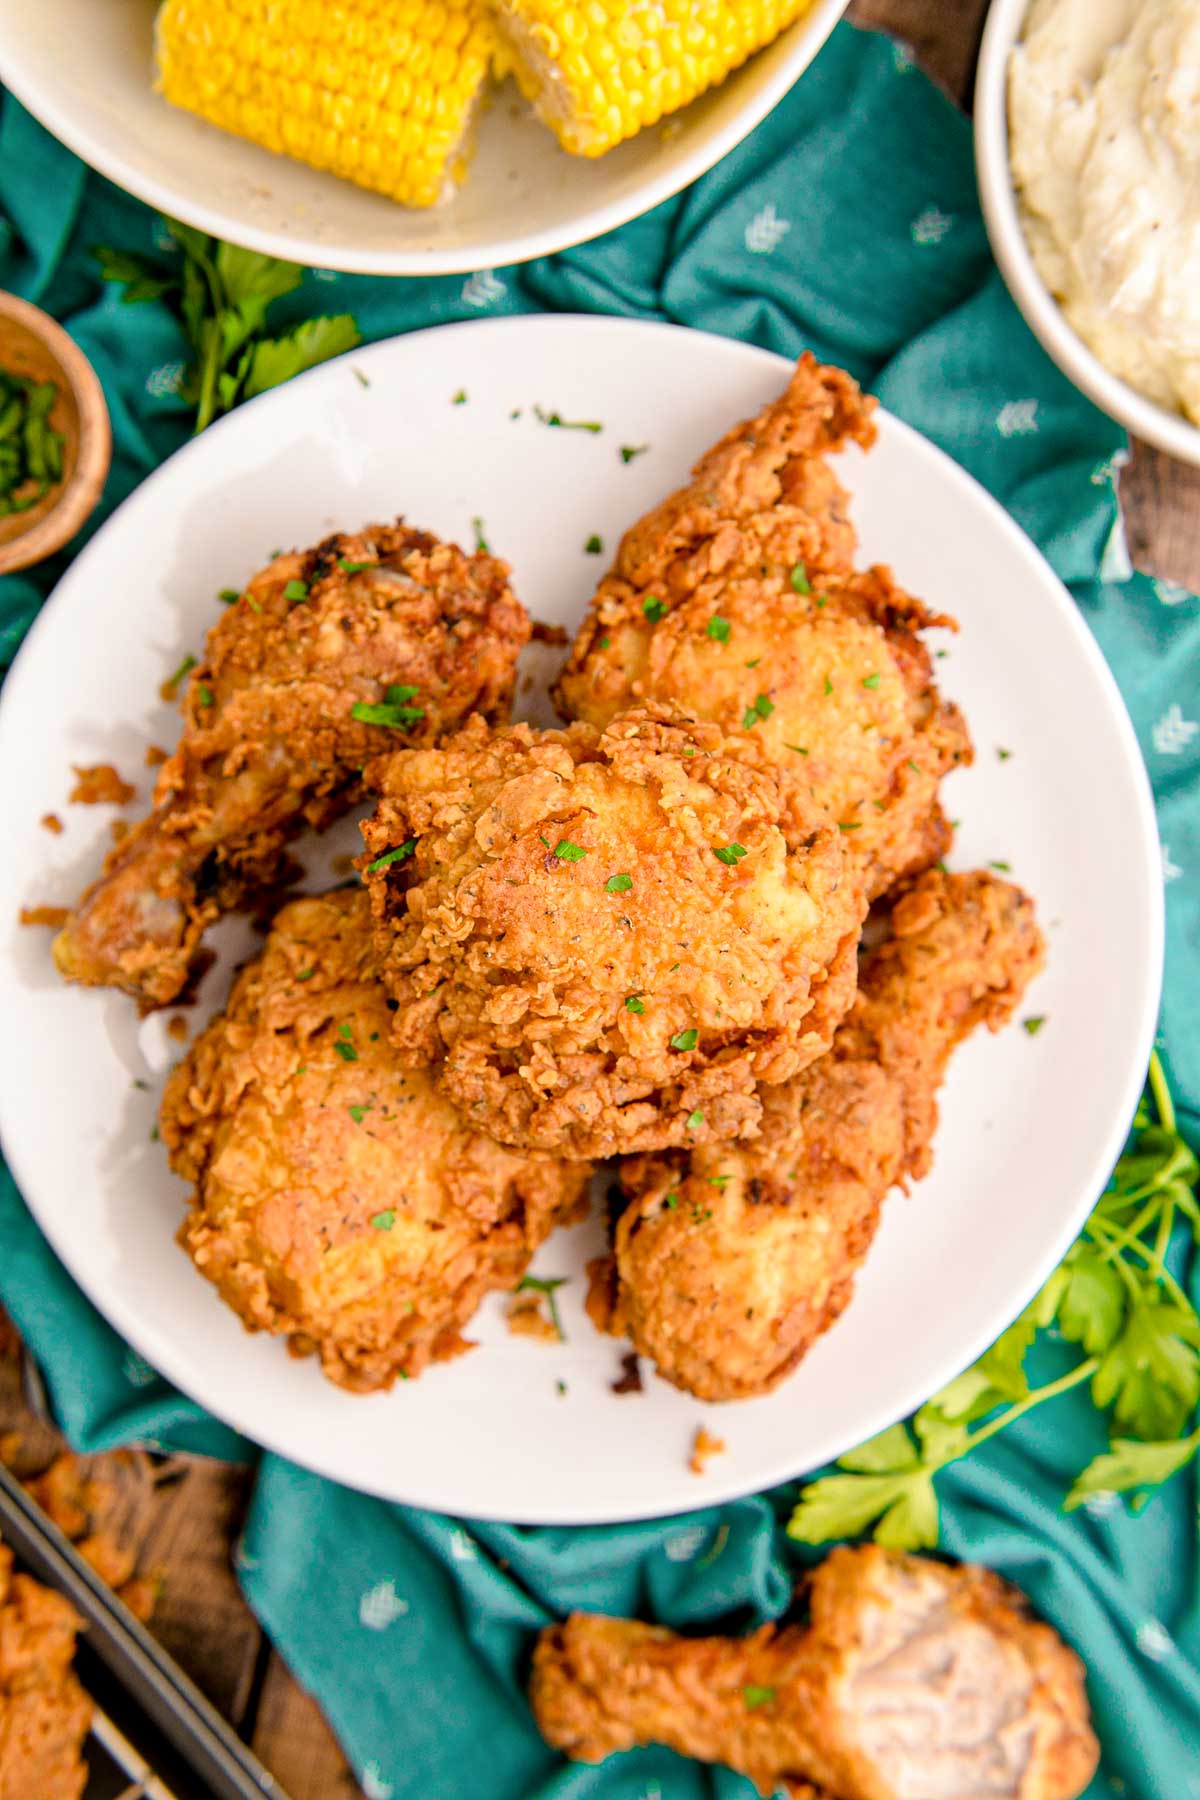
(629, 1381)
(54, 916)
(526, 1317)
(100, 785)
(52, 822)
(704, 1447)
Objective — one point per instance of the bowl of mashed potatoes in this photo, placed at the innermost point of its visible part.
(1087, 143)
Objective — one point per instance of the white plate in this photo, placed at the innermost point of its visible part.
(1031, 1125)
(84, 68)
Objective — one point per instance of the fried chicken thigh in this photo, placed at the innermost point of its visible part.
(44, 1713)
(911, 1680)
(325, 659)
(607, 939)
(736, 599)
(729, 1261)
(340, 1200)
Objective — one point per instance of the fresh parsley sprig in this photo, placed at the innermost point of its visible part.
(1113, 1296)
(221, 295)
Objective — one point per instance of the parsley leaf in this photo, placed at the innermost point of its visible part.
(694, 1120)
(799, 579)
(871, 681)
(594, 545)
(1034, 1024)
(729, 853)
(295, 590)
(685, 1040)
(548, 1287)
(629, 451)
(569, 852)
(757, 1696)
(556, 419)
(618, 884)
(633, 1003)
(718, 629)
(762, 708)
(655, 609)
(383, 1221)
(392, 856)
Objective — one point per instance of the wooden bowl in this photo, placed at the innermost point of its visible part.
(32, 344)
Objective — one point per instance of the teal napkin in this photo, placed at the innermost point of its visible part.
(848, 223)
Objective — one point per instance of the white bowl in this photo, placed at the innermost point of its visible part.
(84, 68)
(1169, 431)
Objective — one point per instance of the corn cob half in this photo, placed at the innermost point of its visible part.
(601, 70)
(381, 92)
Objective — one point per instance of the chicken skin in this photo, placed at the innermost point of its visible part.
(44, 1713)
(736, 599)
(324, 660)
(607, 939)
(730, 1261)
(340, 1200)
(910, 1679)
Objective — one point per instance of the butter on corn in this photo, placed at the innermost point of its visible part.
(382, 92)
(601, 70)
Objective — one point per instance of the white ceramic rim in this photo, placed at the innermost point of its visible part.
(1166, 430)
(178, 1368)
(817, 24)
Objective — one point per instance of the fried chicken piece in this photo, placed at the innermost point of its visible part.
(911, 1679)
(44, 1713)
(608, 939)
(735, 599)
(729, 1262)
(277, 729)
(340, 1200)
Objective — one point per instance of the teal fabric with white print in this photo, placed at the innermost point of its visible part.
(847, 223)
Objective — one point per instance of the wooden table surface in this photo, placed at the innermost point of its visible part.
(197, 1506)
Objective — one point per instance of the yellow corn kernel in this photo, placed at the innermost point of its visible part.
(600, 70)
(381, 93)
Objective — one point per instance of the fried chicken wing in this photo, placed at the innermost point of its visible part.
(736, 600)
(911, 1679)
(606, 939)
(44, 1713)
(729, 1261)
(326, 657)
(340, 1200)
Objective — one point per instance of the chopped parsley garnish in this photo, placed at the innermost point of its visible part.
(871, 681)
(685, 1040)
(719, 1181)
(694, 1119)
(799, 579)
(535, 1284)
(798, 748)
(912, 765)
(718, 629)
(671, 1200)
(1003, 754)
(296, 590)
(560, 1387)
(185, 668)
(1004, 868)
(728, 853)
(392, 856)
(605, 642)
(345, 1031)
(353, 568)
(360, 378)
(481, 542)
(618, 884)
(700, 1213)
(828, 686)
(757, 1696)
(556, 419)
(633, 1003)
(346, 1050)
(227, 596)
(460, 399)
(754, 662)
(762, 708)
(629, 451)
(850, 825)
(594, 545)
(204, 695)
(305, 974)
(383, 1221)
(1034, 1024)
(396, 713)
(566, 851)
(359, 1113)
(655, 609)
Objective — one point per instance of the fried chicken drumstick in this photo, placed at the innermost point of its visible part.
(730, 1261)
(910, 1679)
(606, 939)
(44, 1713)
(339, 1198)
(736, 599)
(327, 657)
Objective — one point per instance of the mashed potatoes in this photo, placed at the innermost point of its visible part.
(1104, 126)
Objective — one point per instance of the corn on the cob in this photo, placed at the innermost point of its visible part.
(601, 70)
(379, 91)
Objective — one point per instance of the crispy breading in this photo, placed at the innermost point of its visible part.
(340, 1200)
(607, 939)
(909, 1677)
(270, 742)
(44, 1713)
(736, 600)
(729, 1262)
